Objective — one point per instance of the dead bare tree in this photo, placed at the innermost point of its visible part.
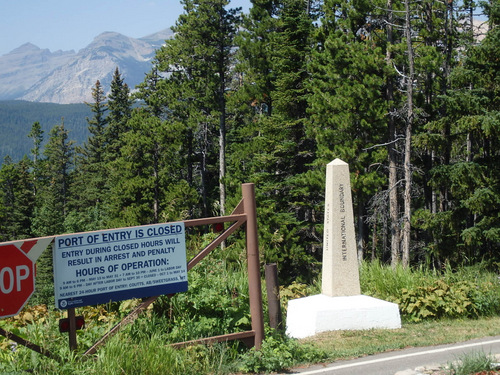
(410, 116)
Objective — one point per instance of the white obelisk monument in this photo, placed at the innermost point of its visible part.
(341, 305)
(340, 261)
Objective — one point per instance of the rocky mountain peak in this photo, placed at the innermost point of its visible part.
(25, 48)
(34, 74)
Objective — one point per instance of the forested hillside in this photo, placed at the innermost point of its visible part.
(403, 91)
(17, 117)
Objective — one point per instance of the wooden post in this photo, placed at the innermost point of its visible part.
(72, 329)
(273, 297)
(254, 287)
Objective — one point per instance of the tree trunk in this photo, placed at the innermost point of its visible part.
(407, 154)
(374, 242)
(222, 153)
(361, 233)
(222, 145)
(393, 171)
(156, 176)
(204, 163)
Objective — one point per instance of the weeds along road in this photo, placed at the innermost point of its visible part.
(392, 362)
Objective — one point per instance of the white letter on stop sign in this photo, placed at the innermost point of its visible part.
(7, 285)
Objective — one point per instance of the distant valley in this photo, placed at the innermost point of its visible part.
(17, 117)
(39, 85)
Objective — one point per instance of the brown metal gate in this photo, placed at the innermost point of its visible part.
(243, 214)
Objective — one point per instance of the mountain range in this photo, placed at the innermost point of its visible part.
(39, 75)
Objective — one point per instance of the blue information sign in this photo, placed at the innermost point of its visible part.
(118, 264)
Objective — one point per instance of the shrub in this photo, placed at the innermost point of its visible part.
(437, 301)
(423, 294)
(216, 303)
(277, 353)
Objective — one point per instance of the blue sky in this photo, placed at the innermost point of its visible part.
(73, 24)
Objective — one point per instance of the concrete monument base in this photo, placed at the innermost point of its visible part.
(311, 315)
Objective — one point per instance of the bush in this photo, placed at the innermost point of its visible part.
(278, 352)
(216, 303)
(468, 292)
(437, 301)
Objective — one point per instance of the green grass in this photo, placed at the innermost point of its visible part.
(152, 356)
(472, 363)
(126, 353)
(352, 344)
(217, 303)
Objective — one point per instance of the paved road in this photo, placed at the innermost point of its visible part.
(392, 362)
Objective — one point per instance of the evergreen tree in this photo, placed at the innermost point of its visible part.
(16, 200)
(150, 94)
(269, 144)
(119, 107)
(36, 134)
(254, 55)
(390, 225)
(90, 188)
(95, 146)
(466, 225)
(198, 62)
(152, 188)
(52, 201)
(348, 107)
(93, 162)
(119, 112)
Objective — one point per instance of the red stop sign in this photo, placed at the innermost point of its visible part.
(17, 280)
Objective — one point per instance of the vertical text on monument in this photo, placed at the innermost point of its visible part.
(340, 265)
(343, 234)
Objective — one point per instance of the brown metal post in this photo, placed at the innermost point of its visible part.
(30, 345)
(72, 329)
(254, 287)
(273, 297)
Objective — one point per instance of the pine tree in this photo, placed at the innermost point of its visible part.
(392, 200)
(409, 120)
(52, 201)
(348, 107)
(16, 199)
(90, 187)
(152, 188)
(149, 93)
(94, 148)
(254, 58)
(119, 107)
(36, 134)
(269, 145)
(118, 114)
(466, 225)
(92, 162)
(198, 62)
